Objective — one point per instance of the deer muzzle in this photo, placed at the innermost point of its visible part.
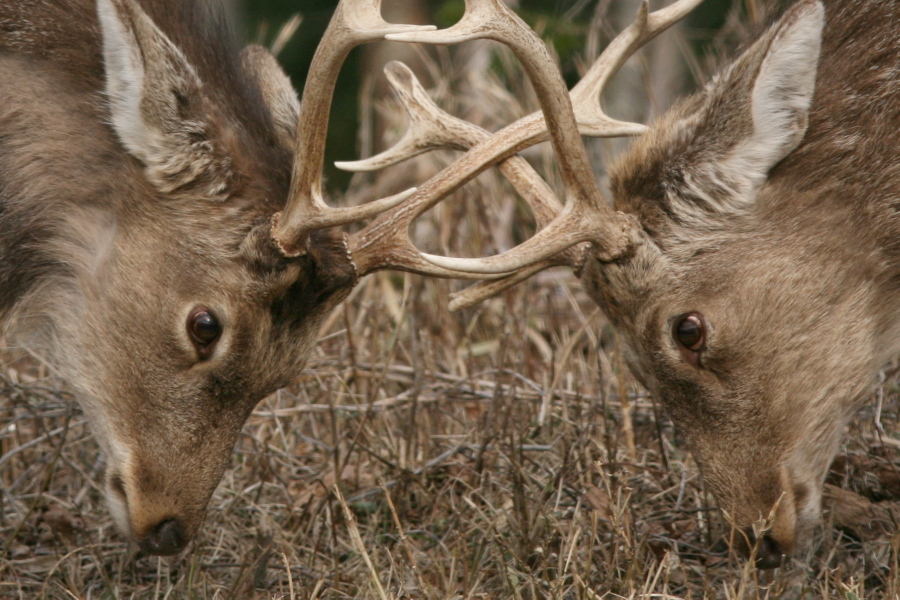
(160, 514)
(782, 526)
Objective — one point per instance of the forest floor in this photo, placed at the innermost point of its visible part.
(498, 453)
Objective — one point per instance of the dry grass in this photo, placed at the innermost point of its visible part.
(478, 456)
(499, 453)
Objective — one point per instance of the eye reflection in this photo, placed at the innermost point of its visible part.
(204, 330)
(690, 332)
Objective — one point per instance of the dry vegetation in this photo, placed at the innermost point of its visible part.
(499, 453)
(479, 456)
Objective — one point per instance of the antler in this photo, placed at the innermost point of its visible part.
(592, 121)
(385, 242)
(432, 128)
(355, 22)
(586, 217)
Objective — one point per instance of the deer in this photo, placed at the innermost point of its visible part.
(748, 258)
(165, 241)
(177, 265)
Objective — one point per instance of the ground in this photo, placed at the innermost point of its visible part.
(487, 454)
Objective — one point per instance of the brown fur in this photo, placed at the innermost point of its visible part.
(796, 276)
(102, 256)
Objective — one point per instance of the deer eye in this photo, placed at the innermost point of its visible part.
(204, 329)
(690, 332)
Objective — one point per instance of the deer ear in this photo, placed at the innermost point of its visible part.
(278, 93)
(764, 100)
(718, 148)
(156, 103)
(783, 90)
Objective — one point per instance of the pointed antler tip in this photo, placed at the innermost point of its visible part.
(469, 266)
(643, 12)
(456, 306)
(400, 76)
(353, 166)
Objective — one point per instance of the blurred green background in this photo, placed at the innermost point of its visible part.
(565, 22)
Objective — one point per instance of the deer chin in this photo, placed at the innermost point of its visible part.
(116, 456)
(805, 473)
(114, 487)
(808, 514)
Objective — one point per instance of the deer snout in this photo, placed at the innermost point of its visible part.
(157, 523)
(161, 532)
(165, 539)
(773, 537)
(769, 552)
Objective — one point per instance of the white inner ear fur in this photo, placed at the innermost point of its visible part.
(124, 80)
(782, 96)
(145, 74)
(779, 105)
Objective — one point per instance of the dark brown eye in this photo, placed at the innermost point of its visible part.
(204, 328)
(690, 332)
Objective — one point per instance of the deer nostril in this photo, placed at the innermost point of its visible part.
(769, 554)
(165, 539)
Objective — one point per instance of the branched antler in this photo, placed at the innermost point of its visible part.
(432, 128)
(564, 228)
(585, 218)
(355, 22)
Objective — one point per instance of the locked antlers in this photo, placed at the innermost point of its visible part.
(385, 243)
(354, 22)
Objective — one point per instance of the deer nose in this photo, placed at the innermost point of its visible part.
(166, 539)
(769, 553)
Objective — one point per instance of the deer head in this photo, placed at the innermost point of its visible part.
(730, 303)
(745, 271)
(163, 231)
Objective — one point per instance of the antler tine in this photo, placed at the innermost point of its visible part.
(355, 22)
(385, 242)
(586, 216)
(483, 290)
(432, 128)
(389, 231)
(592, 120)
